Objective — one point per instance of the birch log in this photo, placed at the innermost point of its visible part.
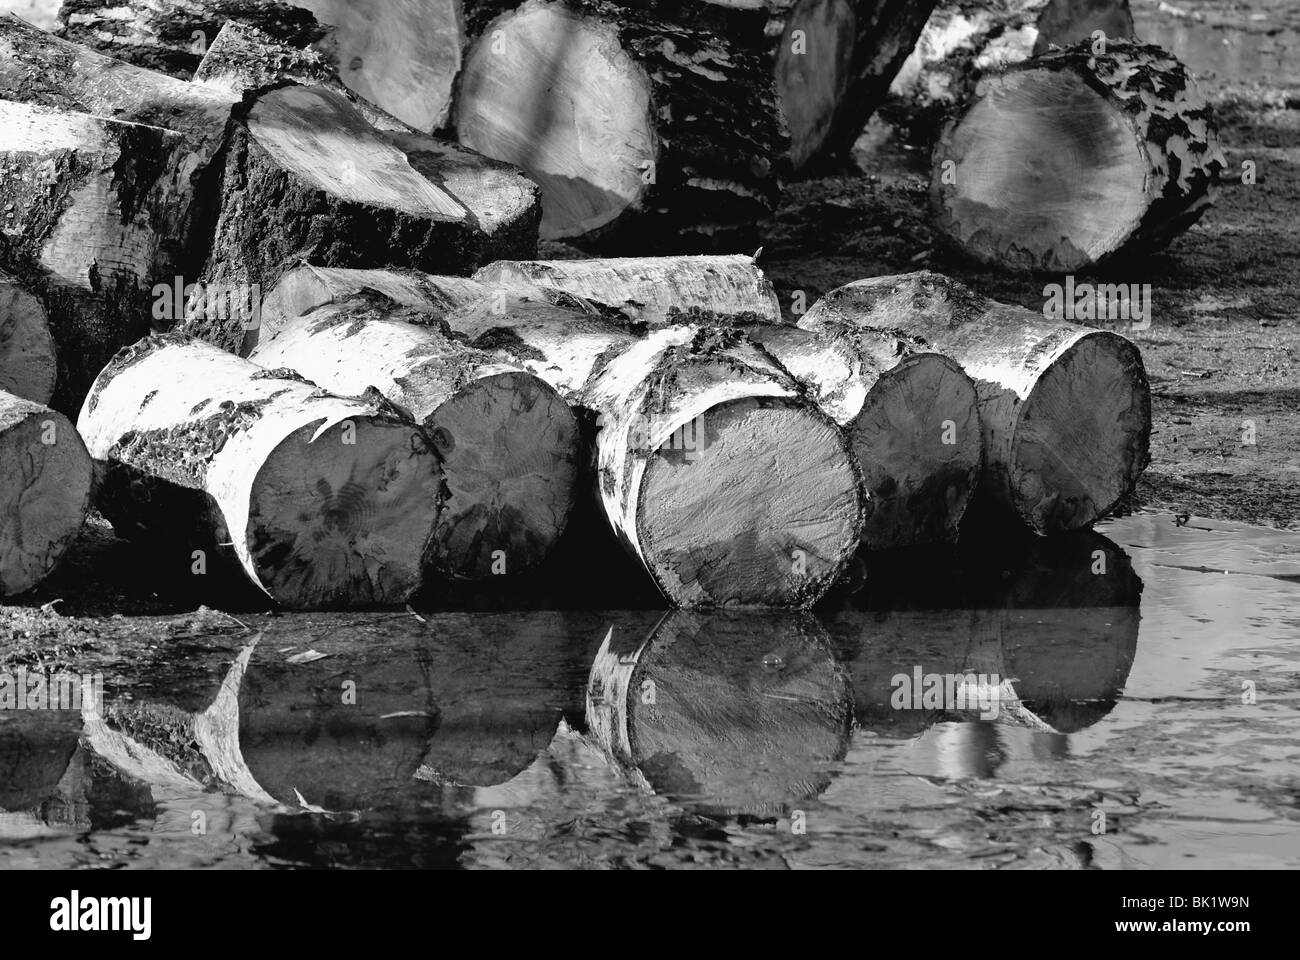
(729, 713)
(656, 291)
(327, 501)
(28, 356)
(94, 217)
(45, 477)
(1066, 410)
(1121, 151)
(642, 126)
(715, 471)
(509, 444)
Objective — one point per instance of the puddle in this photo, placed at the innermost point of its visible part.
(1126, 700)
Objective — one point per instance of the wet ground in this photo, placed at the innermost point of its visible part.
(1125, 700)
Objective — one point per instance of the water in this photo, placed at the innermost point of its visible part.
(1126, 700)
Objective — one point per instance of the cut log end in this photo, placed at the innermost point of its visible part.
(331, 515)
(918, 441)
(1045, 174)
(554, 92)
(44, 491)
(28, 364)
(760, 507)
(1082, 435)
(510, 453)
(813, 67)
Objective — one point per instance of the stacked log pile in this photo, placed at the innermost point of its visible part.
(345, 414)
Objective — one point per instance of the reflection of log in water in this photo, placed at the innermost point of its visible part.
(732, 713)
(1057, 618)
(342, 713)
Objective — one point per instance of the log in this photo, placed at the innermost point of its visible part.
(509, 444)
(171, 36)
(656, 291)
(912, 420)
(343, 193)
(730, 714)
(1066, 410)
(1122, 149)
(45, 475)
(830, 84)
(402, 55)
(642, 126)
(326, 501)
(715, 471)
(28, 357)
(95, 217)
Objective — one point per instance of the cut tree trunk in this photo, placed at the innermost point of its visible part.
(715, 471)
(643, 127)
(307, 177)
(171, 36)
(327, 501)
(834, 63)
(656, 291)
(1070, 158)
(45, 476)
(911, 417)
(1066, 410)
(731, 714)
(94, 215)
(509, 444)
(402, 55)
(28, 357)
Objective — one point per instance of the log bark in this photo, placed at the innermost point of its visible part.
(656, 291)
(715, 471)
(962, 40)
(1123, 149)
(28, 357)
(45, 476)
(95, 216)
(171, 36)
(509, 444)
(911, 417)
(1066, 410)
(643, 127)
(731, 714)
(326, 501)
(306, 177)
